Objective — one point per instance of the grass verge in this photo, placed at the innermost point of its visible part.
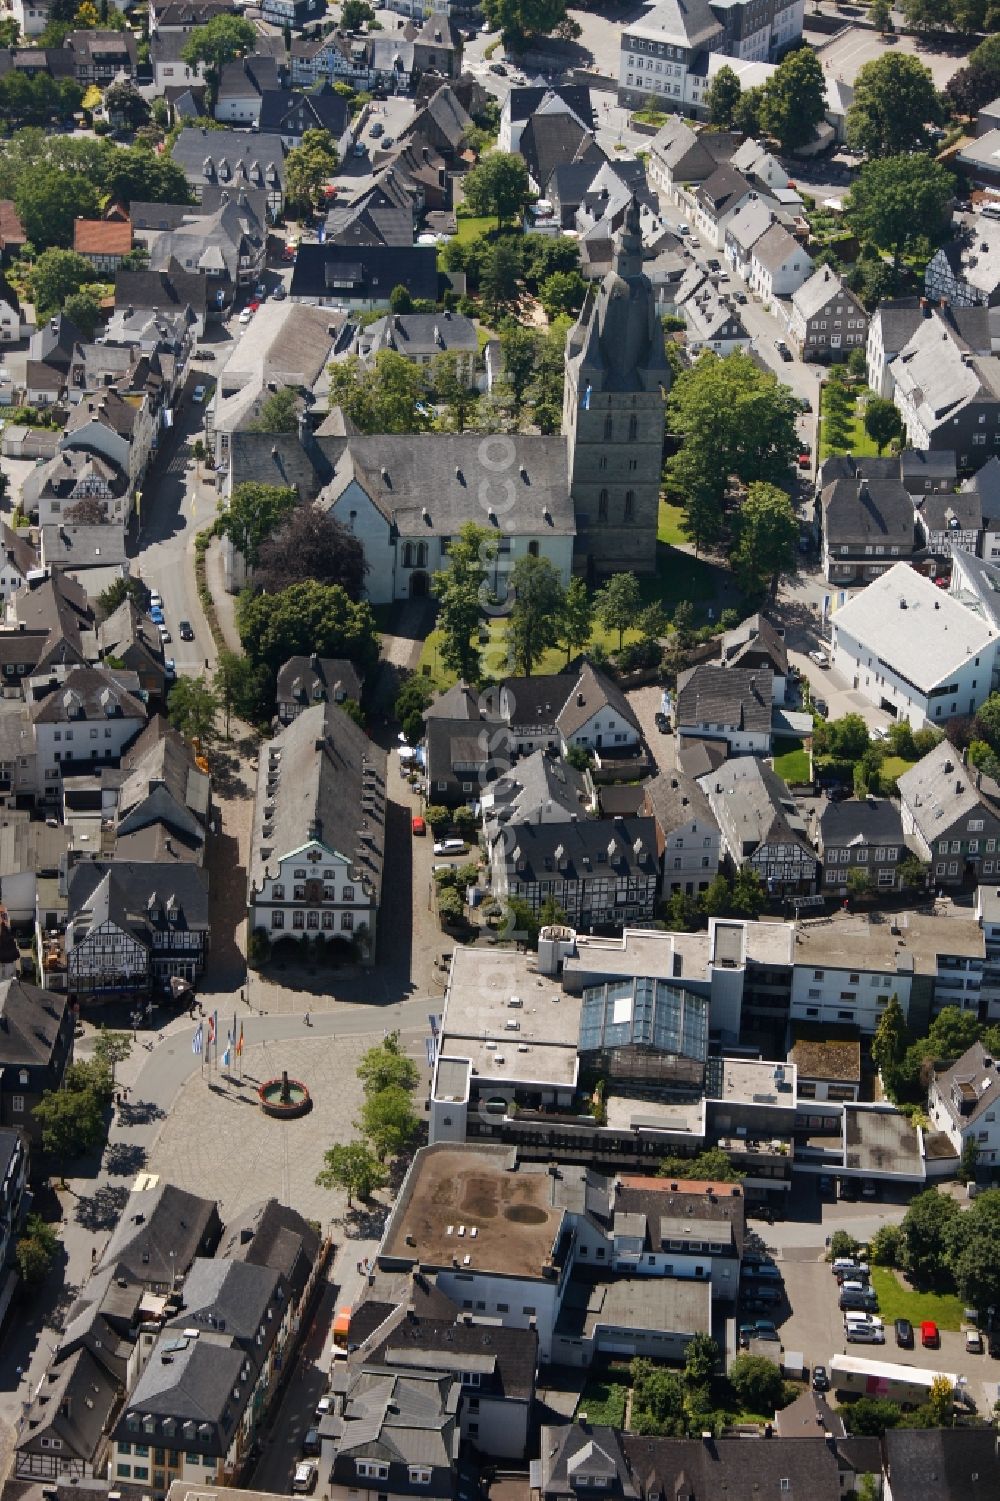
(604, 1402)
(791, 761)
(896, 1301)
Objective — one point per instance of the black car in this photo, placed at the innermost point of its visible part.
(185, 630)
(311, 1443)
(822, 709)
(904, 1334)
(498, 69)
(741, 298)
(660, 720)
(820, 1381)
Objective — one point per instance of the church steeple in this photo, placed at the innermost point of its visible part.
(626, 260)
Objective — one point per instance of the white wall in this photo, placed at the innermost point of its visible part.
(818, 995)
(863, 670)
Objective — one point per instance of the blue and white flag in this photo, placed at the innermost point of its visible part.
(198, 1040)
(225, 1058)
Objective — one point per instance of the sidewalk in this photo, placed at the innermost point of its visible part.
(225, 604)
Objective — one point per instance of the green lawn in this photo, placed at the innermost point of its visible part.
(671, 525)
(898, 1302)
(471, 229)
(893, 767)
(604, 1402)
(495, 662)
(852, 438)
(791, 761)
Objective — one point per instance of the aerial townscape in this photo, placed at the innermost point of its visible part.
(500, 750)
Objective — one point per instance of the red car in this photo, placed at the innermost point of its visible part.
(929, 1334)
(252, 306)
(418, 825)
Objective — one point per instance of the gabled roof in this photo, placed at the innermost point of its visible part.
(814, 294)
(736, 697)
(323, 108)
(747, 226)
(88, 693)
(866, 820)
(232, 1296)
(308, 680)
(273, 1235)
(682, 23)
(244, 77)
(940, 790)
(752, 637)
(102, 236)
(593, 693)
(723, 190)
(985, 484)
(776, 246)
(753, 806)
(552, 140)
(867, 510)
(521, 103)
(950, 513)
(581, 851)
(72, 1404)
(942, 1464)
(371, 271)
(156, 1222)
(31, 1020)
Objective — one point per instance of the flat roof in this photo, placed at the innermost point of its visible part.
(509, 1021)
(638, 952)
(827, 1058)
(478, 1207)
(904, 941)
(669, 1305)
(882, 1142)
(757, 1081)
(683, 1116)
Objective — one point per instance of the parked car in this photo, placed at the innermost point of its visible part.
(378, 129)
(245, 317)
(310, 1441)
(279, 294)
(418, 825)
(198, 394)
(819, 657)
(904, 1334)
(185, 630)
(783, 349)
(155, 599)
(165, 635)
(169, 667)
(823, 710)
(993, 1343)
(305, 1476)
(449, 846)
(741, 298)
(864, 1334)
(930, 1335)
(498, 69)
(973, 1341)
(869, 1189)
(820, 1381)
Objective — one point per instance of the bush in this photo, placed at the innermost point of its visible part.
(757, 1383)
(451, 908)
(639, 655)
(438, 818)
(258, 948)
(886, 1245)
(841, 1244)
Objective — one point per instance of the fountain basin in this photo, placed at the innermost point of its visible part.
(284, 1098)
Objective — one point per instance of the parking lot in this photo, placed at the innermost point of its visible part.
(846, 54)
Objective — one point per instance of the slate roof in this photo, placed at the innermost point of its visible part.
(590, 847)
(556, 140)
(245, 76)
(88, 693)
(867, 510)
(871, 820)
(17, 549)
(674, 798)
(736, 697)
(170, 290)
(135, 896)
(441, 1344)
(226, 1295)
(958, 512)
(256, 159)
(588, 1448)
(753, 806)
(592, 693)
(538, 781)
(72, 1403)
(684, 23)
(372, 271)
(273, 1235)
(59, 607)
(814, 294)
(723, 190)
(776, 246)
(755, 636)
(523, 102)
(942, 1464)
(752, 221)
(939, 791)
(68, 544)
(284, 459)
(307, 680)
(985, 484)
(936, 372)
(192, 1382)
(155, 1222)
(421, 334)
(31, 1020)
(805, 1470)
(323, 107)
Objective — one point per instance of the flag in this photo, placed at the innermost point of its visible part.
(239, 1043)
(211, 1028)
(198, 1040)
(225, 1057)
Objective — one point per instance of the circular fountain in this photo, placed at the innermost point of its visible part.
(284, 1098)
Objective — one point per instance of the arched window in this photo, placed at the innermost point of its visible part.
(532, 549)
(629, 504)
(609, 427)
(602, 462)
(408, 555)
(602, 506)
(633, 428)
(421, 554)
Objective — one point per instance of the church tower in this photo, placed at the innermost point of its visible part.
(616, 377)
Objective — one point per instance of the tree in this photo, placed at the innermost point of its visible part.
(967, 1161)
(757, 1383)
(858, 881)
(518, 20)
(971, 1242)
(894, 101)
(701, 1356)
(112, 1048)
(218, 41)
(617, 604)
(192, 706)
(313, 544)
(304, 618)
(970, 88)
(414, 696)
(723, 96)
(940, 1404)
(308, 168)
(139, 174)
(459, 590)
(845, 739)
(354, 14)
(889, 1042)
(885, 1246)
(733, 420)
(500, 276)
(927, 15)
(50, 201)
(709, 1166)
(498, 185)
(56, 275)
(387, 397)
(534, 622)
(657, 1400)
(279, 414)
(243, 687)
(254, 512)
(387, 1067)
(898, 200)
(519, 348)
(84, 309)
(842, 1243)
(352, 1166)
(400, 300)
(882, 421)
(925, 1228)
(450, 384)
(871, 1416)
(952, 1032)
(746, 111)
(388, 1121)
(122, 99)
(716, 899)
(562, 292)
(10, 32)
(87, 512)
(880, 14)
(987, 722)
(748, 897)
(912, 871)
(121, 589)
(33, 1258)
(794, 99)
(576, 619)
(72, 1122)
(767, 539)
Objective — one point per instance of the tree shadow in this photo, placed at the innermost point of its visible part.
(125, 1158)
(140, 1113)
(102, 1209)
(365, 1222)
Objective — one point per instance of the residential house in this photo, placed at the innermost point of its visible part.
(83, 546)
(949, 521)
(984, 488)
(732, 704)
(241, 88)
(341, 276)
(692, 844)
(744, 230)
(867, 526)
(292, 13)
(17, 559)
(161, 801)
(81, 717)
(36, 1046)
(521, 103)
(13, 324)
(289, 114)
(223, 240)
(966, 271)
(318, 835)
(49, 625)
(827, 320)
(271, 1234)
(601, 872)
(912, 1457)
(134, 926)
(333, 57)
(170, 69)
(466, 746)
(383, 214)
(118, 428)
(948, 396)
(893, 325)
(951, 816)
(130, 637)
(12, 235)
(718, 200)
(711, 322)
(679, 155)
(158, 1235)
(303, 681)
(756, 645)
(62, 1434)
(554, 137)
(909, 647)
(227, 159)
(541, 788)
(73, 475)
(925, 472)
(761, 825)
(778, 265)
(399, 1429)
(99, 57)
(421, 337)
(963, 1101)
(171, 292)
(861, 834)
(103, 242)
(441, 125)
(594, 714)
(14, 1201)
(977, 160)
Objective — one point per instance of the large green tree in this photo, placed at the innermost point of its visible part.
(56, 275)
(192, 705)
(388, 1121)
(925, 1236)
(254, 512)
(518, 20)
(460, 592)
(767, 535)
(498, 185)
(218, 41)
(387, 397)
(534, 622)
(617, 604)
(889, 1042)
(499, 281)
(354, 1167)
(278, 414)
(308, 167)
(304, 618)
(49, 202)
(757, 1382)
(899, 200)
(972, 1240)
(794, 99)
(894, 102)
(386, 1066)
(309, 543)
(723, 96)
(734, 420)
(882, 421)
(576, 621)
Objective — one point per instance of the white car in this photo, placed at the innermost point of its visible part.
(245, 316)
(878, 734)
(165, 635)
(973, 1342)
(305, 1476)
(820, 658)
(198, 394)
(155, 600)
(449, 846)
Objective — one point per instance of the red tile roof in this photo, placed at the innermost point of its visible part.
(102, 237)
